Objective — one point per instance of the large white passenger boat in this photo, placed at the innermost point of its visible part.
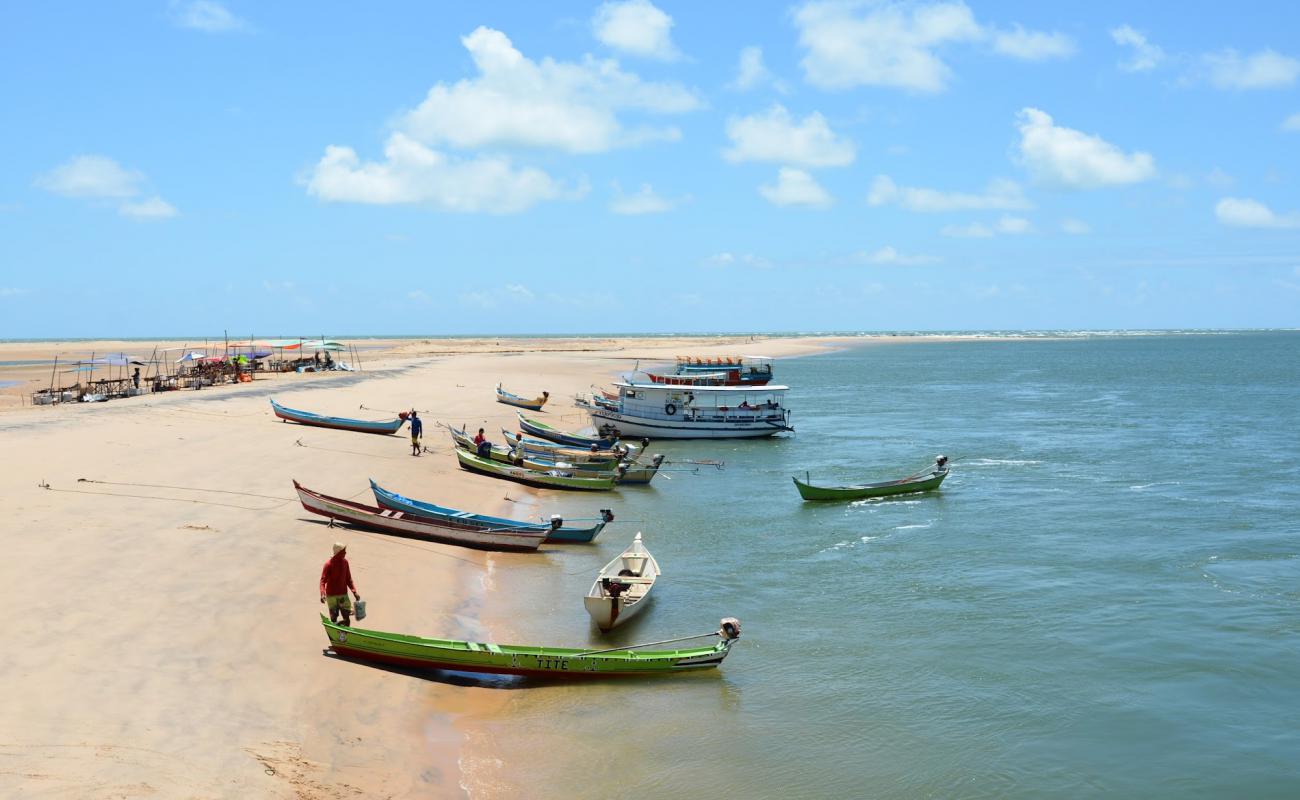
(657, 411)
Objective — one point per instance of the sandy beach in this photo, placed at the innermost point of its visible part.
(162, 575)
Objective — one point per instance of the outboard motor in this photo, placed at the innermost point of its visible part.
(730, 629)
(557, 522)
(607, 515)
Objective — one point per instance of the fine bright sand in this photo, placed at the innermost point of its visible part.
(162, 636)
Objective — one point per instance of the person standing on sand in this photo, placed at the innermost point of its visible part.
(417, 430)
(335, 580)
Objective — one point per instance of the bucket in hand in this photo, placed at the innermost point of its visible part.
(361, 610)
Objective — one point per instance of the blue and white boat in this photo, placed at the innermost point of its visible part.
(555, 529)
(338, 423)
(659, 411)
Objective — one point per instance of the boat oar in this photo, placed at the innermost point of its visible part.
(649, 644)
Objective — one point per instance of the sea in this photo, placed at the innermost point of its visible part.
(1103, 600)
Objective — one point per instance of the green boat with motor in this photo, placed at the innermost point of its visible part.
(925, 481)
(623, 473)
(549, 479)
(558, 662)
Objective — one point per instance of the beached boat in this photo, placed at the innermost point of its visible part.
(338, 423)
(921, 482)
(403, 524)
(625, 472)
(623, 587)
(509, 399)
(544, 431)
(575, 455)
(555, 530)
(661, 411)
(506, 659)
(550, 479)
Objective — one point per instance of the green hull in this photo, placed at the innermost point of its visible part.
(502, 456)
(884, 489)
(561, 662)
(545, 480)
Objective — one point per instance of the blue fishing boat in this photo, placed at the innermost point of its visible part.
(555, 529)
(541, 429)
(338, 423)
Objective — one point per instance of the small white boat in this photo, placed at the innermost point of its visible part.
(622, 587)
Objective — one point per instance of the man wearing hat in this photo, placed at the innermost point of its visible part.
(335, 580)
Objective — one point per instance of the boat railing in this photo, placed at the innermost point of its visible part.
(693, 414)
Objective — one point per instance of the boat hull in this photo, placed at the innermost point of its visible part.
(565, 438)
(534, 404)
(559, 662)
(336, 423)
(396, 502)
(886, 489)
(637, 427)
(473, 463)
(400, 524)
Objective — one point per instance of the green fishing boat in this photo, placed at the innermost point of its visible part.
(548, 479)
(920, 482)
(562, 662)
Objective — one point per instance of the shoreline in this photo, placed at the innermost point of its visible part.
(174, 572)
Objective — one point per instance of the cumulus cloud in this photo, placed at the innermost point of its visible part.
(750, 72)
(775, 136)
(1076, 160)
(1292, 123)
(1242, 212)
(725, 259)
(636, 27)
(11, 291)
(98, 177)
(1145, 55)
(1075, 227)
(890, 255)
(974, 230)
(515, 101)
(876, 44)
(1014, 225)
(1000, 195)
(794, 187)
(413, 173)
(643, 201)
(1266, 69)
(207, 16)
(1032, 45)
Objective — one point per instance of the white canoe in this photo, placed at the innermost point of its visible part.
(622, 587)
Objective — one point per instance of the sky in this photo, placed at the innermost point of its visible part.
(283, 169)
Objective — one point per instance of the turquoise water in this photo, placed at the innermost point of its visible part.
(1104, 599)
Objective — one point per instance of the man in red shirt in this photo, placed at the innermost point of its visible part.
(335, 580)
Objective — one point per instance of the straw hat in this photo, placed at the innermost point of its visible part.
(339, 547)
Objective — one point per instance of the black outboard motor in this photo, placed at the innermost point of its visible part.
(557, 522)
(730, 628)
(607, 515)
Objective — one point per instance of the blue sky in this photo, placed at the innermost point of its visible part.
(292, 168)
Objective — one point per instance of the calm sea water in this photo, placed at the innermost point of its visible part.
(1104, 599)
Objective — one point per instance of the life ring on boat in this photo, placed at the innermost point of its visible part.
(670, 409)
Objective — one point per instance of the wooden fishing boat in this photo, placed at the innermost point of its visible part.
(555, 530)
(403, 524)
(913, 483)
(338, 423)
(506, 659)
(522, 402)
(623, 587)
(550, 479)
(541, 429)
(573, 455)
(506, 455)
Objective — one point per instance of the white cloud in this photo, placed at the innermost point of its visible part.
(1032, 45)
(515, 101)
(1266, 69)
(896, 45)
(92, 176)
(794, 187)
(722, 260)
(775, 136)
(885, 46)
(1014, 225)
(636, 27)
(1073, 159)
(1075, 227)
(518, 291)
(889, 255)
(1292, 123)
(12, 291)
(643, 201)
(101, 178)
(750, 72)
(1217, 177)
(413, 173)
(509, 295)
(1001, 195)
(1145, 55)
(206, 15)
(1246, 213)
(972, 231)
(419, 296)
(153, 208)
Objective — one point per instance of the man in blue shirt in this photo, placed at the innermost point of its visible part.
(417, 430)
